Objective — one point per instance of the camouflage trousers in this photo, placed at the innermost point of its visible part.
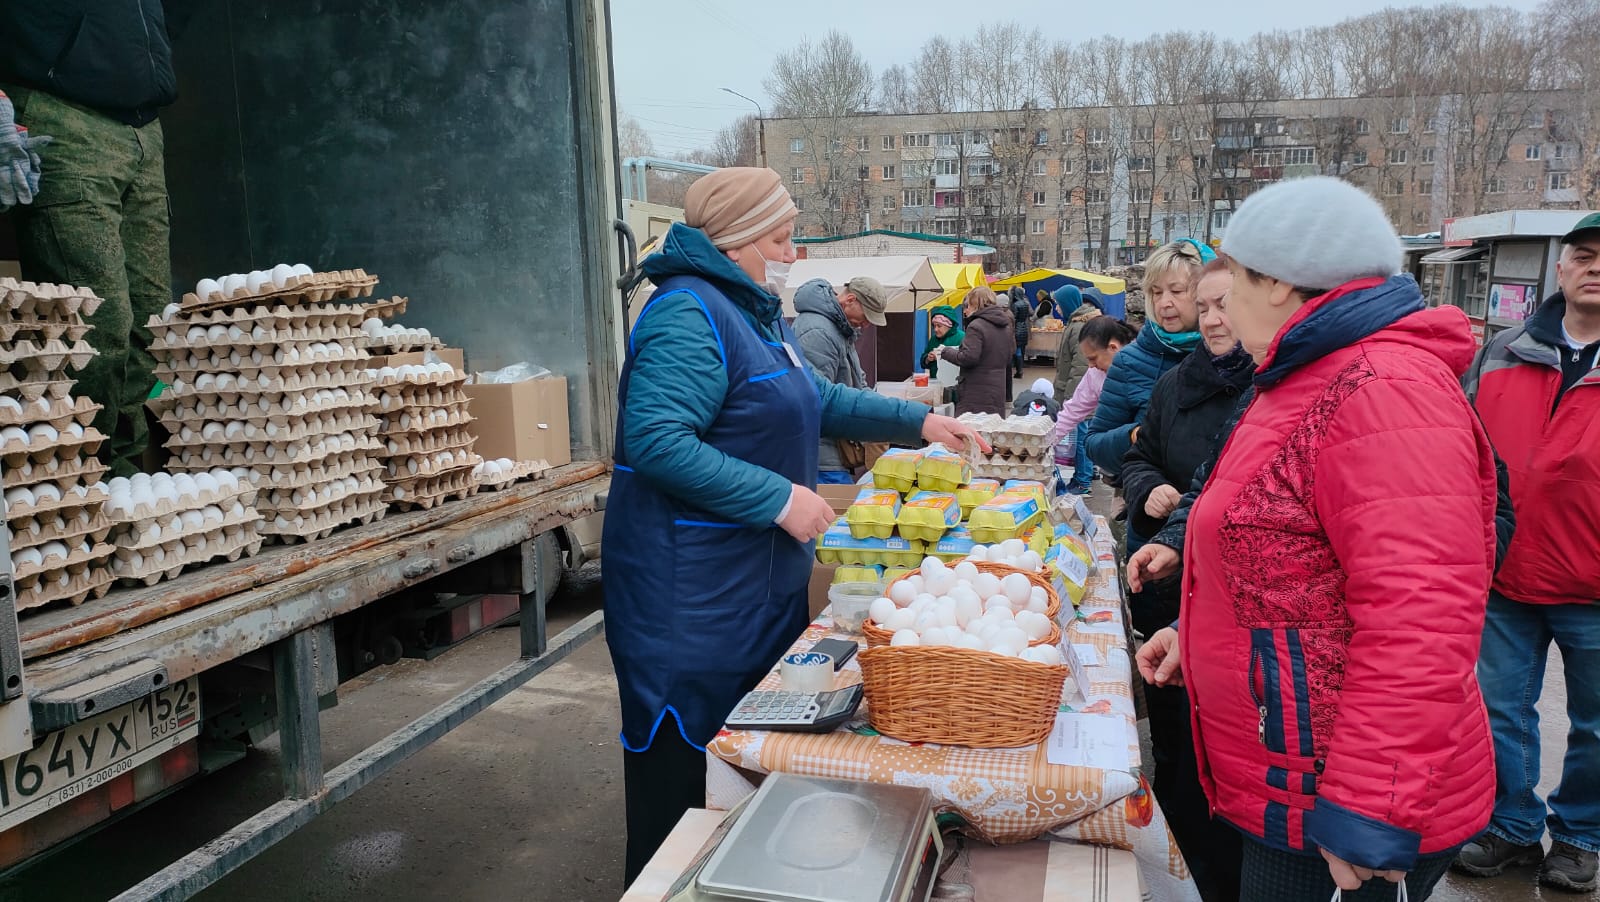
(100, 220)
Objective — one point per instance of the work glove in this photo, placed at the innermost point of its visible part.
(19, 159)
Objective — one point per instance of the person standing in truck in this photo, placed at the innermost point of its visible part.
(92, 76)
(719, 421)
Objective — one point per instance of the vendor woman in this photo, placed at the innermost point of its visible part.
(942, 333)
(712, 514)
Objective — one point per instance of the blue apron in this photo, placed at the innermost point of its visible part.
(698, 609)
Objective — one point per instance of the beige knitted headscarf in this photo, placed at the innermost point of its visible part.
(735, 206)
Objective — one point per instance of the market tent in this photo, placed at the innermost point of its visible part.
(957, 279)
(909, 280)
(1114, 290)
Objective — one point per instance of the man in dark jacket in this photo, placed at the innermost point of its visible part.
(1022, 313)
(92, 76)
(828, 328)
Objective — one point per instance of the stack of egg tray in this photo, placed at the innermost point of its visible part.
(317, 288)
(51, 479)
(283, 392)
(502, 473)
(423, 425)
(1021, 445)
(213, 516)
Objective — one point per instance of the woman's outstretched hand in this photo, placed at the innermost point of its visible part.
(952, 433)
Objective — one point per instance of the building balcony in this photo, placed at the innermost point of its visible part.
(1266, 174)
(1237, 142)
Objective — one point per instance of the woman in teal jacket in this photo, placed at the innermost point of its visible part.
(712, 513)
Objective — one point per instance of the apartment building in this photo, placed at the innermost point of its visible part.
(1099, 186)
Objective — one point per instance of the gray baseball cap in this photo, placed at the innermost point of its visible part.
(873, 297)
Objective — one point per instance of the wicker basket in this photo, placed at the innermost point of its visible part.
(877, 636)
(957, 696)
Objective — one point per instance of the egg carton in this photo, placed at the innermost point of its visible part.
(172, 326)
(336, 466)
(138, 535)
(64, 447)
(253, 454)
(248, 359)
(69, 526)
(391, 400)
(519, 471)
(384, 309)
(320, 524)
(278, 500)
(175, 338)
(42, 300)
(270, 384)
(410, 444)
(261, 409)
(61, 586)
(317, 288)
(402, 344)
(1041, 471)
(70, 329)
(415, 381)
(70, 496)
(422, 419)
(147, 569)
(57, 412)
(64, 472)
(141, 513)
(27, 388)
(422, 494)
(47, 357)
(78, 558)
(434, 463)
(272, 432)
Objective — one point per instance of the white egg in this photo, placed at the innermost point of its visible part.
(978, 553)
(966, 571)
(213, 431)
(1038, 602)
(19, 496)
(905, 637)
(1031, 561)
(73, 430)
(930, 566)
(1013, 547)
(918, 584)
(1000, 613)
(212, 514)
(151, 533)
(1037, 626)
(902, 619)
(14, 434)
(54, 550)
(205, 382)
(1043, 654)
(46, 491)
(942, 582)
(192, 520)
(256, 281)
(171, 310)
(281, 274)
(1016, 587)
(998, 647)
(27, 557)
(197, 542)
(300, 269)
(216, 333)
(234, 430)
(43, 432)
(880, 609)
(203, 289)
(232, 283)
(10, 404)
(967, 640)
(42, 407)
(936, 636)
(967, 610)
(923, 602)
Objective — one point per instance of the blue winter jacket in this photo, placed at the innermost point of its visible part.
(678, 385)
(1129, 382)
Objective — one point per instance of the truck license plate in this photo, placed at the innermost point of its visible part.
(74, 760)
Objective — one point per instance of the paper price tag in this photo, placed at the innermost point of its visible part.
(1073, 568)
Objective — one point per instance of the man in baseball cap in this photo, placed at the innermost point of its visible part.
(864, 300)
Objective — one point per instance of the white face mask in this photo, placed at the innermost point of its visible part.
(777, 274)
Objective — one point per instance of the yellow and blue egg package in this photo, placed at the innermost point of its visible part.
(873, 513)
(897, 469)
(1038, 539)
(942, 470)
(1005, 516)
(1069, 573)
(928, 515)
(858, 574)
(975, 493)
(1068, 537)
(954, 545)
(838, 546)
(1027, 487)
(890, 574)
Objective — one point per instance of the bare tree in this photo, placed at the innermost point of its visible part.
(830, 79)
(632, 139)
(824, 86)
(1570, 29)
(894, 91)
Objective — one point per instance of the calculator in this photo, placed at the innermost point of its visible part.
(801, 712)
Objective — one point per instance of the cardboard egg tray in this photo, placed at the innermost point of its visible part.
(74, 495)
(310, 527)
(421, 494)
(70, 526)
(76, 562)
(310, 498)
(192, 366)
(278, 409)
(399, 469)
(223, 497)
(214, 432)
(45, 360)
(416, 384)
(64, 472)
(411, 444)
(14, 453)
(138, 535)
(310, 450)
(173, 331)
(384, 309)
(336, 466)
(423, 419)
(317, 288)
(521, 470)
(69, 329)
(60, 585)
(423, 396)
(265, 342)
(58, 412)
(26, 388)
(44, 301)
(401, 344)
(1000, 467)
(281, 385)
(146, 569)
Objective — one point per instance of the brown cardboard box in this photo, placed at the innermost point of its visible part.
(522, 420)
(452, 356)
(839, 497)
(817, 591)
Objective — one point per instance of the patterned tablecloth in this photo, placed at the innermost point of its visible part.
(1004, 795)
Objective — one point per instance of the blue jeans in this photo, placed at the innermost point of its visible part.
(1516, 644)
(835, 477)
(1082, 467)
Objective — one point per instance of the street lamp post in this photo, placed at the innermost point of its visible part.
(761, 127)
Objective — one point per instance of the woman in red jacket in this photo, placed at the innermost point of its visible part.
(1341, 553)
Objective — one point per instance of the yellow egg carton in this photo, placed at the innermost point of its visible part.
(890, 574)
(976, 492)
(1032, 487)
(1005, 516)
(942, 470)
(838, 546)
(1038, 539)
(926, 516)
(1068, 571)
(897, 469)
(854, 574)
(873, 513)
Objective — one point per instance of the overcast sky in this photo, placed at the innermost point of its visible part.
(672, 59)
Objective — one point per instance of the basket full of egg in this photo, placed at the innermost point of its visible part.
(163, 523)
(994, 658)
(423, 419)
(268, 378)
(53, 493)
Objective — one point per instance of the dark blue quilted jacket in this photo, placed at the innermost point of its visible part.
(1132, 377)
